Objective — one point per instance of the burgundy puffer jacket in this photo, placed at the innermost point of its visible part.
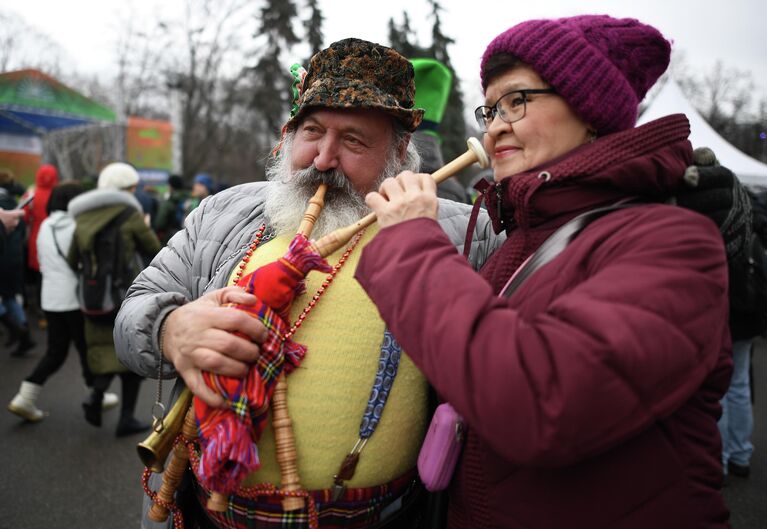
(592, 394)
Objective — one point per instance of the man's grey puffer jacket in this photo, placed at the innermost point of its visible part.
(201, 258)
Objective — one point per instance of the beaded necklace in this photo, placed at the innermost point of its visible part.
(320, 291)
(388, 365)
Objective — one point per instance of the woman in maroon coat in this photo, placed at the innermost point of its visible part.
(592, 393)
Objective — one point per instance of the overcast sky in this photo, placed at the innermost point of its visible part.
(732, 31)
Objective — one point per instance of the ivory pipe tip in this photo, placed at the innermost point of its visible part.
(483, 160)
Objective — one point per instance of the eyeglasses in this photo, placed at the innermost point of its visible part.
(510, 107)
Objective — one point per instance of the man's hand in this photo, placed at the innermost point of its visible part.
(10, 218)
(408, 196)
(714, 191)
(197, 337)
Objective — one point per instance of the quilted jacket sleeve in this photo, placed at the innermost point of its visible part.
(163, 286)
(616, 333)
(195, 261)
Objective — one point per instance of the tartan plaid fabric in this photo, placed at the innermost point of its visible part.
(357, 509)
(229, 435)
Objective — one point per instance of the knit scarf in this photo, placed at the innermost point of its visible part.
(647, 161)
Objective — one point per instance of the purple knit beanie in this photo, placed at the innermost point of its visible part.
(602, 66)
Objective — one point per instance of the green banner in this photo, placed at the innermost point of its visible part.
(40, 93)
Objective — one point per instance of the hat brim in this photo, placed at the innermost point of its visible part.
(342, 93)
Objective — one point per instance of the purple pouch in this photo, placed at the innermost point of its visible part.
(441, 448)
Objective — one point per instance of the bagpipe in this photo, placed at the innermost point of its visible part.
(228, 436)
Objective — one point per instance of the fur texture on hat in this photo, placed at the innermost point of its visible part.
(354, 73)
(602, 66)
(118, 175)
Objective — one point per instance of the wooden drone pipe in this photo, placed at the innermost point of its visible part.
(312, 213)
(174, 471)
(285, 446)
(284, 440)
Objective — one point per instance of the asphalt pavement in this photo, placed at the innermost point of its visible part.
(63, 473)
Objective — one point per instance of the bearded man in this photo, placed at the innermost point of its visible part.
(351, 130)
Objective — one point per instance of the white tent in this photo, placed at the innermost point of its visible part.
(671, 100)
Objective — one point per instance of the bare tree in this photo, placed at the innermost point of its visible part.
(204, 71)
(210, 76)
(140, 55)
(726, 95)
(23, 46)
(726, 99)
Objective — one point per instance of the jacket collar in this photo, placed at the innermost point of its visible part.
(647, 161)
(99, 198)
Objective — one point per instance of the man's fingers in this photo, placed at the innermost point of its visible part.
(233, 320)
(234, 295)
(706, 200)
(715, 177)
(220, 364)
(238, 348)
(197, 386)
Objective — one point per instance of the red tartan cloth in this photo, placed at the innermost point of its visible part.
(228, 435)
(358, 508)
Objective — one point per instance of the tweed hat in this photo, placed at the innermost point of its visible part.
(118, 175)
(602, 66)
(354, 73)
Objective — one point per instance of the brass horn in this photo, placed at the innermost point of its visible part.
(154, 450)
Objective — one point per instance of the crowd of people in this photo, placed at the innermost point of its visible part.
(42, 245)
(575, 322)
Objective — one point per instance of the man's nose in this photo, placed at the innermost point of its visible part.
(327, 154)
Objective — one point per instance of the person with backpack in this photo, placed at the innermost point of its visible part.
(588, 386)
(716, 192)
(748, 320)
(59, 302)
(109, 241)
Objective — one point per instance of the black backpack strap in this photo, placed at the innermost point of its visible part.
(56, 243)
(558, 241)
(118, 221)
(125, 215)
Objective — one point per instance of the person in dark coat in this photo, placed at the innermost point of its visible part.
(591, 395)
(746, 323)
(12, 314)
(170, 214)
(9, 220)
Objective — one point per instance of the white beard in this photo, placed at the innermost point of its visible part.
(289, 193)
(286, 203)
